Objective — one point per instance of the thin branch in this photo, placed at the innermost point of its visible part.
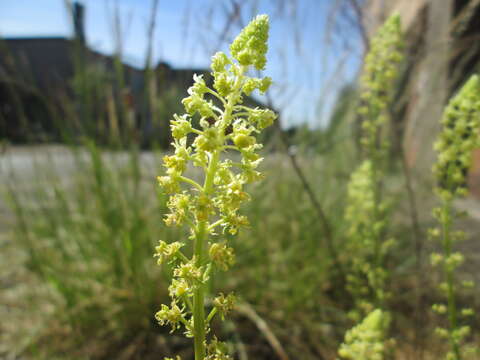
(262, 325)
(357, 9)
(327, 228)
(151, 33)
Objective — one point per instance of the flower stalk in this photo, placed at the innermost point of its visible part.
(366, 212)
(224, 126)
(456, 142)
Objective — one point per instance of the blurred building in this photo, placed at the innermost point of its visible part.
(443, 50)
(40, 75)
(53, 86)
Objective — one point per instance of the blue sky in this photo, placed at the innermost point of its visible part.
(307, 69)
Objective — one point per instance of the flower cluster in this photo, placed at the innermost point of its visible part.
(250, 47)
(459, 137)
(366, 213)
(379, 74)
(457, 140)
(211, 208)
(367, 224)
(366, 341)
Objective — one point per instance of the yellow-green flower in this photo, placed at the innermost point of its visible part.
(214, 202)
(367, 340)
(455, 144)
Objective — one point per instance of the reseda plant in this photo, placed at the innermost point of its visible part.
(459, 137)
(367, 220)
(214, 205)
(366, 341)
(366, 212)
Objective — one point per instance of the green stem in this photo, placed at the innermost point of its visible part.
(199, 324)
(379, 276)
(199, 252)
(211, 315)
(191, 182)
(182, 257)
(451, 303)
(212, 227)
(199, 297)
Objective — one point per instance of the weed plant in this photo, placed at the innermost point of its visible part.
(456, 142)
(214, 206)
(367, 208)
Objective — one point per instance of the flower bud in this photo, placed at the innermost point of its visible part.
(250, 46)
(243, 141)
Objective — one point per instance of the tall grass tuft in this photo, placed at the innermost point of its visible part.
(89, 235)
